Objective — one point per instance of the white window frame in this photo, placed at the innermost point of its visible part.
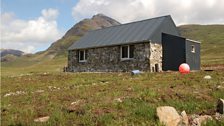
(84, 57)
(193, 48)
(128, 58)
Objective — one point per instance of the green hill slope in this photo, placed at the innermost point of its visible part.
(211, 38)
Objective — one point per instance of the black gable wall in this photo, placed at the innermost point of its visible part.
(173, 52)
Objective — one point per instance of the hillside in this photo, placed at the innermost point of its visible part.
(211, 38)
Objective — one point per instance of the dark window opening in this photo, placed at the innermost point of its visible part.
(127, 51)
(124, 52)
(192, 48)
(82, 55)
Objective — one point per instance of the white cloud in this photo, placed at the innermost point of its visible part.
(183, 11)
(29, 35)
(50, 14)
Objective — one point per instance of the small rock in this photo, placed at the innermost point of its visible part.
(199, 120)
(129, 89)
(219, 87)
(76, 102)
(93, 84)
(168, 116)
(219, 116)
(76, 107)
(39, 91)
(185, 120)
(118, 100)
(42, 119)
(220, 106)
(207, 77)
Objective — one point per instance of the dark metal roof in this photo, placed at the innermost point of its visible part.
(139, 31)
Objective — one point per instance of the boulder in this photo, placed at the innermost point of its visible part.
(220, 106)
(168, 116)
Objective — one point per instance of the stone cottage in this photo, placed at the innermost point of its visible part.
(148, 45)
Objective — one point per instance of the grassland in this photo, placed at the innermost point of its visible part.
(106, 98)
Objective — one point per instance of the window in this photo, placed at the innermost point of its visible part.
(124, 52)
(192, 48)
(82, 55)
(127, 52)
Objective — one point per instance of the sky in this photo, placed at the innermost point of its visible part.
(33, 25)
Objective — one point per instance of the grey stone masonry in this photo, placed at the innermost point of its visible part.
(108, 59)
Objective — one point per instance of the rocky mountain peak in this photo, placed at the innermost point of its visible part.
(98, 21)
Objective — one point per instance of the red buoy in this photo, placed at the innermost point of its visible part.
(184, 68)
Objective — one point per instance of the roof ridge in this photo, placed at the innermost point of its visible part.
(130, 23)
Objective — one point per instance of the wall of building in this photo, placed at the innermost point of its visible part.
(155, 57)
(107, 59)
(173, 52)
(193, 58)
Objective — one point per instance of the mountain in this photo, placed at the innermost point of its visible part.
(96, 22)
(211, 38)
(14, 52)
(10, 54)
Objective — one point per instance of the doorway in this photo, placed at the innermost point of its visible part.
(156, 67)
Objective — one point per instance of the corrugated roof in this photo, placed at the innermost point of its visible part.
(120, 34)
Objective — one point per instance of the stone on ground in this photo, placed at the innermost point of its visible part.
(199, 120)
(168, 116)
(207, 77)
(42, 119)
(185, 120)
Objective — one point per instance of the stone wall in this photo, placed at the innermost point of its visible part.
(155, 57)
(107, 59)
